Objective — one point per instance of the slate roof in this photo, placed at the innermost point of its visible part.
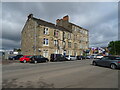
(48, 24)
(78, 26)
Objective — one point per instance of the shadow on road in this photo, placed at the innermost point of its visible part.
(29, 84)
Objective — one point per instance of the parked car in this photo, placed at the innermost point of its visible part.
(25, 58)
(110, 61)
(93, 56)
(11, 57)
(88, 57)
(57, 57)
(38, 59)
(69, 57)
(17, 57)
(80, 57)
(99, 56)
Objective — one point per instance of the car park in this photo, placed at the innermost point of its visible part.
(70, 57)
(109, 61)
(17, 57)
(57, 57)
(25, 58)
(38, 59)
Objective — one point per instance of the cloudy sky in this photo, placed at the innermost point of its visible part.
(100, 18)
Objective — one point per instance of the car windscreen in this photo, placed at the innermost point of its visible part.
(114, 58)
(22, 56)
(28, 56)
(117, 58)
(66, 56)
(11, 56)
(42, 57)
(99, 55)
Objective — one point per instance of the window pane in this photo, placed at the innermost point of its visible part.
(54, 42)
(117, 58)
(54, 32)
(44, 31)
(46, 41)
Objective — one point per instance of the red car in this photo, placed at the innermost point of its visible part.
(25, 58)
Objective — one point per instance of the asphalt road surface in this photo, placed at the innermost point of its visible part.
(69, 74)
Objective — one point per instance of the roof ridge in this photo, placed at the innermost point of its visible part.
(43, 20)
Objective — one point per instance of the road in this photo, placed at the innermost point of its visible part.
(69, 74)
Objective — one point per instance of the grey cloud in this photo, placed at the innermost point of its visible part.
(102, 43)
(10, 44)
(99, 18)
(105, 33)
(11, 31)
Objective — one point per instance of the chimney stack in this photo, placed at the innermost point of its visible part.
(57, 21)
(62, 21)
(30, 16)
(66, 18)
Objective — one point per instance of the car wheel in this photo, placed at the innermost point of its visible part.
(94, 63)
(35, 62)
(113, 66)
(24, 61)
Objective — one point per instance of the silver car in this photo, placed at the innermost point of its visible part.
(69, 57)
(110, 61)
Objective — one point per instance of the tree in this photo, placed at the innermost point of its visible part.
(114, 47)
(17, 50)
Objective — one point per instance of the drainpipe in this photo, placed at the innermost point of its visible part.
(35, 39)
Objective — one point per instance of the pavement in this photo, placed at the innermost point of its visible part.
(67, 74)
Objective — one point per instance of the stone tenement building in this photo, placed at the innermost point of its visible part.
(40, 37)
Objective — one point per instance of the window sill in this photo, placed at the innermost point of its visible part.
(45, 45)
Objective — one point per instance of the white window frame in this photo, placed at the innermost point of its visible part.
(69, 35)
(69, 52)
(56, 33)
(56, 51)
(46, 31)
(55, 42)
(45, 53)
(81, 46)
(45, 42)
(69, 44)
